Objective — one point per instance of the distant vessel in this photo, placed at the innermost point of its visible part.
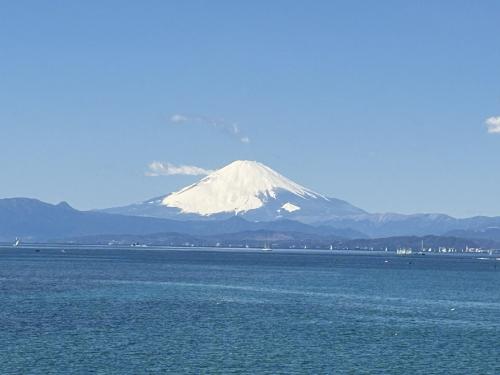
(17, 242)
(331, 247)
(137, 244)
(267, 248)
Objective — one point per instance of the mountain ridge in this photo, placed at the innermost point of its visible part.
(32, 219)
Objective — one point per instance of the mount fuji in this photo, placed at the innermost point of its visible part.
(242, 197)
(247, 189)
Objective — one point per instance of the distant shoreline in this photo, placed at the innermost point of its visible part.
(353, 252)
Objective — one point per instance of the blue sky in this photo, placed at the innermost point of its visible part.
(383, 104)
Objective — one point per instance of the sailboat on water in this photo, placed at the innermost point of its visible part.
(17, 242)
(266, 247)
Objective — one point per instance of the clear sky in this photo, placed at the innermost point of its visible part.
(381, 103)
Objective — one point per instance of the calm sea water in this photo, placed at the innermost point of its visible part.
(111, 311)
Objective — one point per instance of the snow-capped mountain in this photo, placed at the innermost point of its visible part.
(244, 188)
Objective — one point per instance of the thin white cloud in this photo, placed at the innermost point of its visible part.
(178, 119)
(159, 168)
(493, 124)
(230, 128)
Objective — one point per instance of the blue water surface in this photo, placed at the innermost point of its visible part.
(155, 311)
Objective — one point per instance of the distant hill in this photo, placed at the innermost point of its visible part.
(32, 219)
(483, 234)
(388, 225)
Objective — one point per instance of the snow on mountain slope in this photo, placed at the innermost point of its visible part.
(245, 188)
(290, 207)
(238, 187)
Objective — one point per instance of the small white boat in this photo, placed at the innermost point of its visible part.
(17, 242)
(267, 248)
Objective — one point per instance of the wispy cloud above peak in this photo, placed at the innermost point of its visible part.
(493, 125)
(159, 168)
(231, 128)
(178, 119)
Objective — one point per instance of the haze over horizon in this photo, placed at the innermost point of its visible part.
(393, 107)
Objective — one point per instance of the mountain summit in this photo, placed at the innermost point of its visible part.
(238, 187)
(245, 188)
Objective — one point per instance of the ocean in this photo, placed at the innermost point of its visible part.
(103, 310)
